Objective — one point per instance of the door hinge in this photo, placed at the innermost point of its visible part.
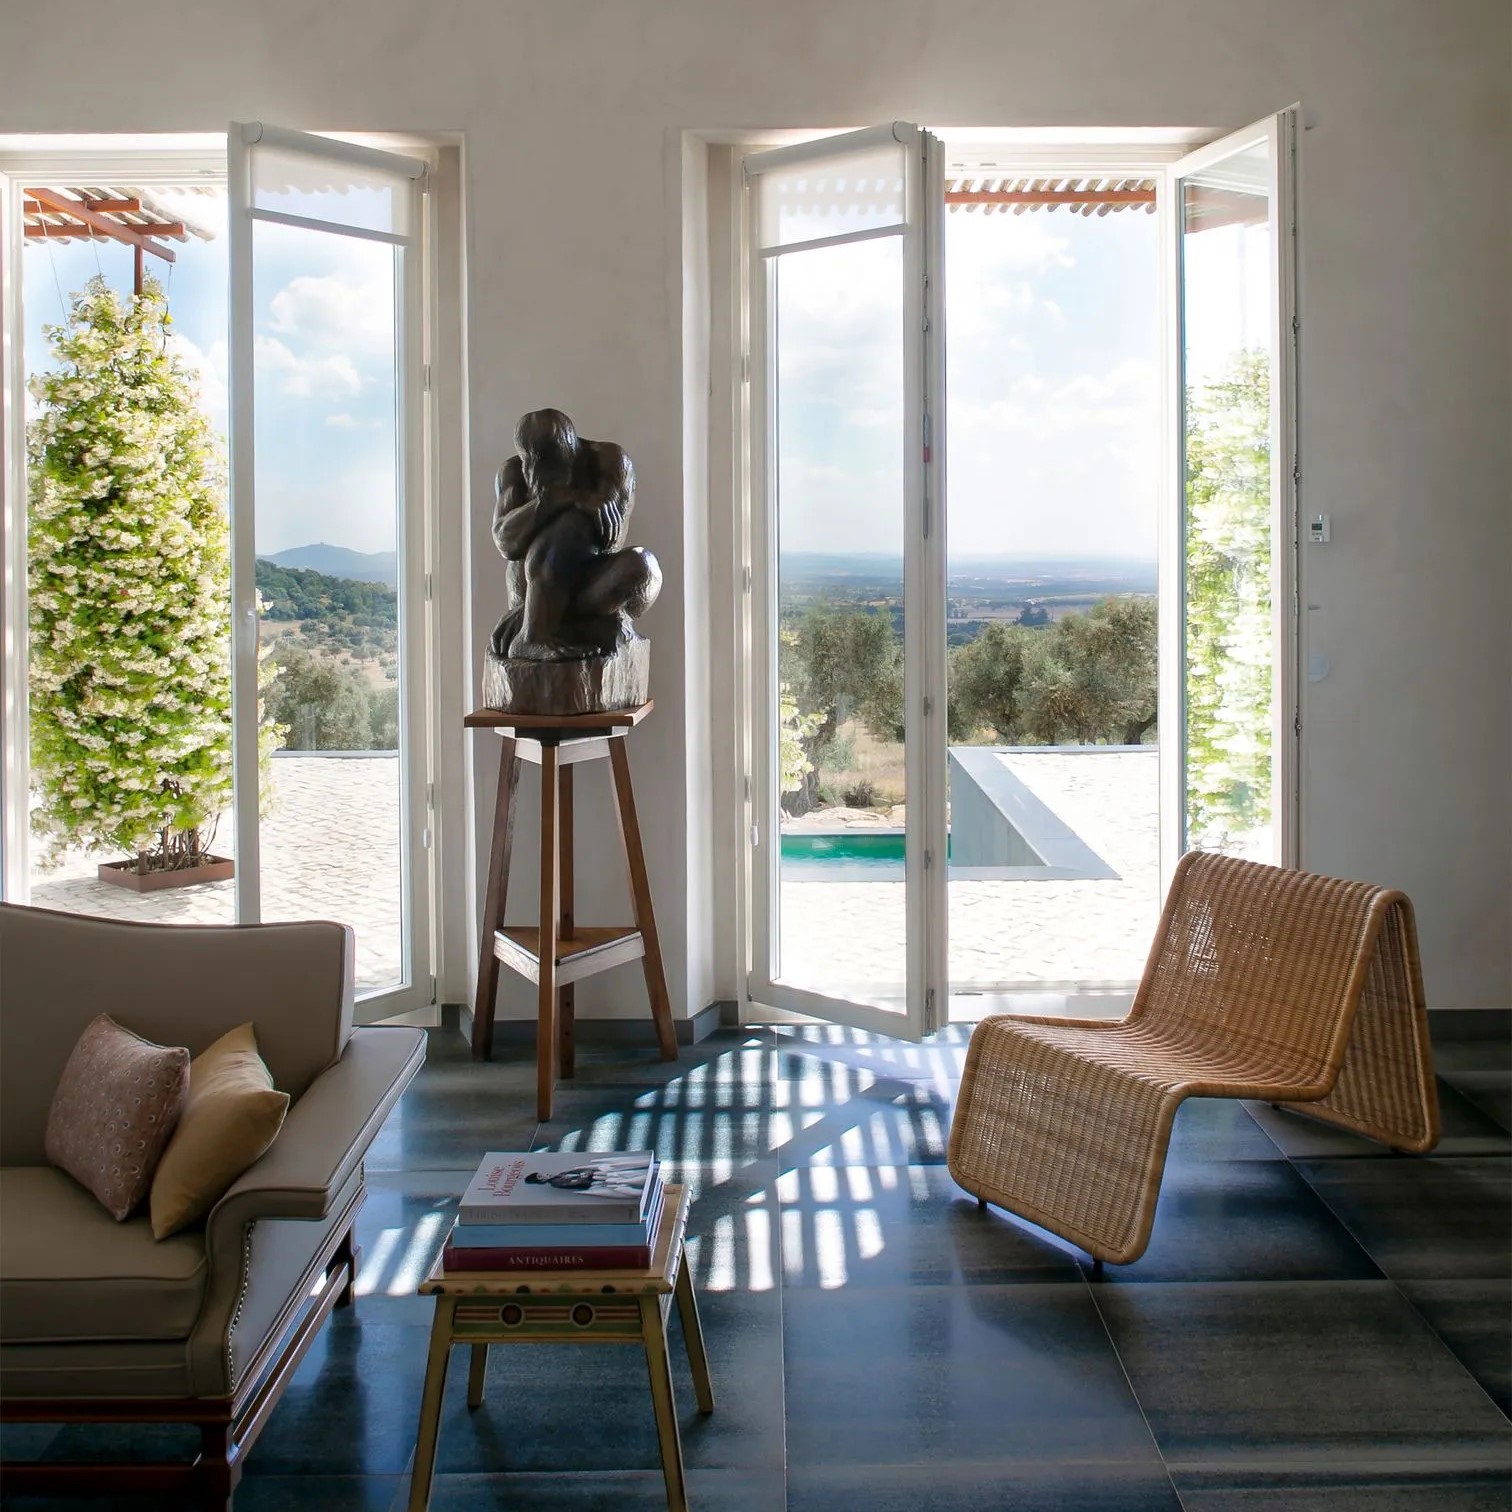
(928, 859)
(748, 787)
(1297, 471)
(425, 377)
(929, 1011)
(433, 989)
(745, 367)
(1297, 724)
(755, 837)
(430, 795)
(430, 587)
(928, 502)
(745, 580)
(928, 437)
(928, 706)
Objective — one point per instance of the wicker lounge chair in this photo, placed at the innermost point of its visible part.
(1262, 983)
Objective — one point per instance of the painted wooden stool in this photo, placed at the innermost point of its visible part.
(584, 1307)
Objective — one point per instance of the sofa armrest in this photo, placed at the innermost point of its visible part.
(323, 1139)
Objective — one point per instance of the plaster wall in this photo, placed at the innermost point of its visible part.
(572, 121)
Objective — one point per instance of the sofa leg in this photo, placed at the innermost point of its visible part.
(348, 1251)
(219, 1470)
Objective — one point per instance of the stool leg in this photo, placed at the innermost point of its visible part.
(566, 996)
(494, 899)
(430, 1405)
(477, 1368)
(698, 1360)
(654, 1332)
(546, 1039)
(640, 893)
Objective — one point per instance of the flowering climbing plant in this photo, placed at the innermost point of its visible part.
(128, 590)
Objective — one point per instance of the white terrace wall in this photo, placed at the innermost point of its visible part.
(572, 117)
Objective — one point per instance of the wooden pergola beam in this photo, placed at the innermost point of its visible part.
(137, 238)
(103, 206)
(150, 229)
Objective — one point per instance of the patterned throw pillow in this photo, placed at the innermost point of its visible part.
(114, 1111)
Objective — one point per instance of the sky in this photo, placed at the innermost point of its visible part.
(1053, 422)
(323, 327)
(1053, 351)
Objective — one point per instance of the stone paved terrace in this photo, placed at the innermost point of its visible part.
(1005, 935)
(330, 850)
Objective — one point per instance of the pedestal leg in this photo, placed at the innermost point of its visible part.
(654, 1332)
(546, 1038)
(566, 996)
(698, 1360)
(494, 899)
(477, 1369)
(430, 1405)
(640, 894)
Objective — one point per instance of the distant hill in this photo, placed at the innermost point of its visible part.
(341, 562)
(333, 615)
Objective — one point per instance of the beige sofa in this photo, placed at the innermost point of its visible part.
(99, 1322)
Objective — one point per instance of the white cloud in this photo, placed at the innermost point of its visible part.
(334, 376)
(209, 367)
(350, 312)
(343, 421)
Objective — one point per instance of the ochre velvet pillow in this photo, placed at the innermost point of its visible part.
(231, 1116)
(114, 1112)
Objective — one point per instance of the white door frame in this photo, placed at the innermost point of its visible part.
(1279, 132)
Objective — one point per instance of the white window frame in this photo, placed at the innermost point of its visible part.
(436, 593)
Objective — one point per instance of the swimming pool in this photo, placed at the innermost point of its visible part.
(875, 855)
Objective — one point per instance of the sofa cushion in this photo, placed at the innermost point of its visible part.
(230, 1117)
(114, 1112)
(70, 1271)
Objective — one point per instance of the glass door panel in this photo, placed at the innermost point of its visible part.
(329, 550)
(838, 487)
(842, 467)
(1237, 509)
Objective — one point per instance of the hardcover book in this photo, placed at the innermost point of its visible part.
(512, 1187)
(574, 1236)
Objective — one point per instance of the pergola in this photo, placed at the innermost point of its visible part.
(108, 213)
(1078, 195)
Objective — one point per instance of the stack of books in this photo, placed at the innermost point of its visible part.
(526, 1211)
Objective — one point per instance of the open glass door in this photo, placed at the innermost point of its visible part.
(847, 579)
(1229, 648)
(328, 557)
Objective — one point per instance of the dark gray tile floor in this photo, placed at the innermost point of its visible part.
(1316, 1324)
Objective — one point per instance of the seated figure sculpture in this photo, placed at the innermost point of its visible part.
(560, 520)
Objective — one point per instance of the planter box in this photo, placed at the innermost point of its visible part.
(124, 874)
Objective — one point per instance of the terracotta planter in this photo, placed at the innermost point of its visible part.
(124, 874)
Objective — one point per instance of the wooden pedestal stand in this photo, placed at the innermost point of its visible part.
(561, 952)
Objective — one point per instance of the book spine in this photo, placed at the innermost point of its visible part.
(605, 1257)
(546, 1235)
(492, 1214)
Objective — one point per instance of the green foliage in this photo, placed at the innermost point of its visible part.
(129, 589)
(793, 730)
(327, 706)
(1228, 568)
(1086, 679)
(343, 611)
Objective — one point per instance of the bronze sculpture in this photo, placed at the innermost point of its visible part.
(566, 643)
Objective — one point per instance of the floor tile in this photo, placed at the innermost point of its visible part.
(317, 1493)
(1243, 1220)
(1217, 1128)
(1027, 1484)
(1466, 1130)
(904, 1225)
(1255, 1372)
(353, 1405)
(954, 1376)
(1474, 1318)
(1423, 1218)
(1360, 1489)
(605, 1491)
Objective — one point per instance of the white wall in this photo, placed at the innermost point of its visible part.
(572, 118)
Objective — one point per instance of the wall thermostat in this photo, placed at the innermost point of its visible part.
(1317, 529)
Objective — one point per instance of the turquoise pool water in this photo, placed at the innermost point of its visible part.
(818, 855)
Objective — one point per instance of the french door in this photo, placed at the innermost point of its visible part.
(327, 444)
(843, 251)
(845, 463)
